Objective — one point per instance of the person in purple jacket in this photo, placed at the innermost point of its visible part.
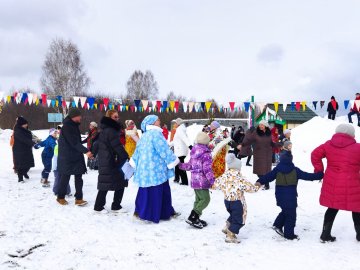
(202, 178)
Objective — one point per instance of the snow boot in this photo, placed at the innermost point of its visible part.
(357, 229)
(226, 228)
(293, 237)
(62, 201)
(20, 178)
(194, 221)
(80, 202)
(203, 222)
(278, 230)
(26, 176)
(326, 233)
(231, 238)
(46, 183)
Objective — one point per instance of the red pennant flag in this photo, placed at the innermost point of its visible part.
(232, 105)
(101, 106)
(43, 99)
(64, 103)
(132, 108)
(177, 106)
(106, 101)
(297, 105)
(158, 105)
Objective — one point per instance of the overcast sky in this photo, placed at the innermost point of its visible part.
(277, 50)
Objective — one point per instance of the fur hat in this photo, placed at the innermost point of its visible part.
(73, 112)
(346, 128)
(264, 122)
(179, 121)
(287, 131)
(215, 124)
(93, 124)
(287, 144)
(52, 131)
(202, 138)
(21, 121)
(233, 162)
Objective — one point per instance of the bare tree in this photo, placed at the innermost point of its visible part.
(172, 96)
(142, 86)
(63, 70)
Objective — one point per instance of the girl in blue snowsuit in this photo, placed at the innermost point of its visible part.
(287, 176)
(47, 155)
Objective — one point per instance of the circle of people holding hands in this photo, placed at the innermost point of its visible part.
(120, 154)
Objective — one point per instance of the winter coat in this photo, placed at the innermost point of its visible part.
(262, 150)
(341, 184)
(154, 161)
(71, 152)
(355, 108)
(91, 138)
(200, 165)
(275, 139)
(131, 138)
(238, 136)
(55, 158)
(165, 132)
(333, 106)
(111, 156)
(22, 148)
(181, 142)
(287, 176)
(49, 145)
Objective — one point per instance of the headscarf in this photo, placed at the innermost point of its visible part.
(148, 120)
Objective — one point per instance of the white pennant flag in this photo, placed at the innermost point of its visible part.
(197, 106)
(48, 101)
(145, 104)
(35, 97)
(352, 102)
(67, 104)
(18, 98)
(83, 101)
(285, 105)
(261, 106)
(87, 106)
(185, 104)
(76, 100)
(2, 94)
(191, 106)
(30, 98)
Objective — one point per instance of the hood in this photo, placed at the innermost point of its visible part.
(286, 165)
(107, 122)
(198, 150)
(341, 140)
(261, 133)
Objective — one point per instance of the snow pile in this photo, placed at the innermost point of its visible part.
(37, 233)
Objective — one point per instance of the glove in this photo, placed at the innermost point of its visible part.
(36, 146)
(190, 147)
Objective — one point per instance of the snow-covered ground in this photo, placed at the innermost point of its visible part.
(70, 237)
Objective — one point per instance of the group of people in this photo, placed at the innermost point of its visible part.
(211, 164)
(333, 106)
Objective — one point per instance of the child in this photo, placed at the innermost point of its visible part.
(202, 178)
(233, 184)
(287, 176)
(47, 155)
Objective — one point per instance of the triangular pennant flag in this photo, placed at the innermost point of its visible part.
(191, 106)
(165, 105)
(247, 106)
(284, 106)
(53, 102)
(91, 101)
(177, 106)
(276, 106)
(56, 102)
(208, 105)
(30, 98)
(106, 101)
(64, 104)
(172, 105)
(83, 101)
(293, 106)
(24, 98)
(18, 98)
(2, 94)
(48, 102)
(8, 99)
(303, 104)
(261, 106)
(158, 105)
(314, 104)
(37, 102)
(95, 106)
(297, 105)
(322, 104)
(59, 99)
(137, 103)
(203, 106)
(197, 106)
(76, 101)
(185, 106)
(34, 98)
(145, 103)
(67, 104)
(232, 104)
(73, 104)
(346, 103)
(101, 106)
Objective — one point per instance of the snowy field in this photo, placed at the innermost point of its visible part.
(70, 237)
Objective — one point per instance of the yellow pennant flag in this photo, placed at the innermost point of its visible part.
(37, 102)
(127, 107)
(303, 104)
(172, 105)
(208, 105)
(276, 105)
(57, 103)
(95, 105)
(8, 99)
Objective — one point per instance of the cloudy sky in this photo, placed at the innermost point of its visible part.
(277, 50)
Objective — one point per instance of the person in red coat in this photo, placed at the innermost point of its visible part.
(165, 132)
(341, 184)
(355, 110)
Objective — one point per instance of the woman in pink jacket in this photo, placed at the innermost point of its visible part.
(341, 184)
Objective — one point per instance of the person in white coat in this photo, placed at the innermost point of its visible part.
(181, 145)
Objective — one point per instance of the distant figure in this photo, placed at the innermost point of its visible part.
(232, 133)
(355, 110)
(165, 131)
(333, 106)
(226, 133)
(131, 137)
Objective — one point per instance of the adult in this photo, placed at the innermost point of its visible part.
(246, 150)
(131, 137)
(90, 140)
(333, 106)
(22, 148)
(262, 145)
(238, 138)
(181, 145)
(112, 156)
(154, 165)
(232, 132)
(341, 184)
(165, 132)
(71, 157)
(355, 109)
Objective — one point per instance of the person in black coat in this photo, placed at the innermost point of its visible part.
(22, 149)
(71, 157)
(111, 157)
(333, 106)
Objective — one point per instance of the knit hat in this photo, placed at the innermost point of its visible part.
(332, 97)
(93, 124)
(21, 121)
(215, 124)
(52, 131)
(287, 131)
(73, 112)
(264, 122)
(286, 157)
(179, 121)
(233, 162)
(287, 144)
(346, 128)
(202, 138)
